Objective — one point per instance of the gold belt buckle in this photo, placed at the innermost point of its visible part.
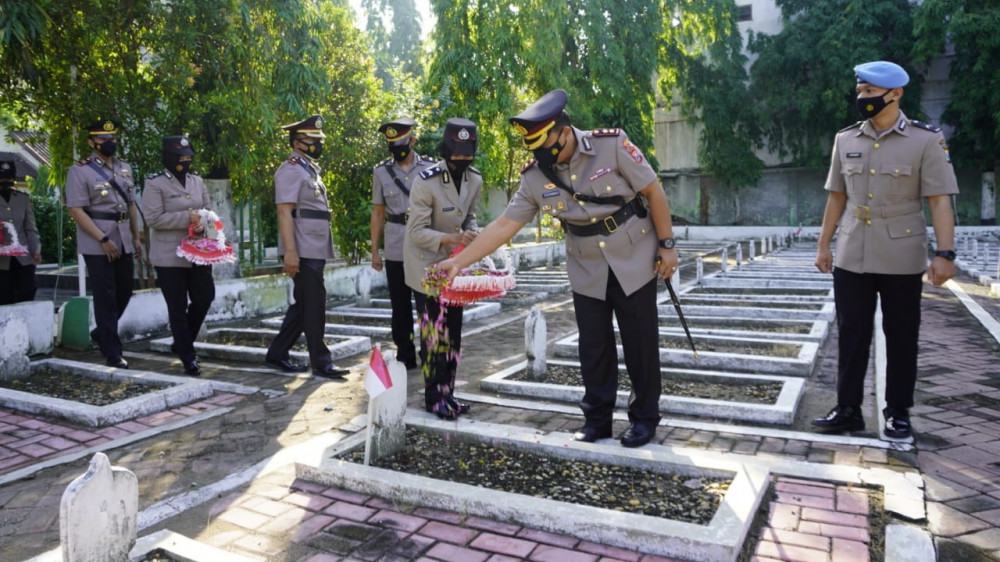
(122, 217)
(863, 213)
(612, 226)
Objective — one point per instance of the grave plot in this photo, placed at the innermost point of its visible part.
(809, 330)
(95, 395)
(382, 308)
(759, 356)
(713, 394)
(491, 447)
(788, 310)
(737, 290)
(251, 345)
(542, 281)
(979, 254)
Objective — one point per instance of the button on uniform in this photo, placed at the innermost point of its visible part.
(600, 244)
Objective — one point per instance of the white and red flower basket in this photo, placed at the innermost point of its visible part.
(482, 281)
(210, 245)
(10, 245)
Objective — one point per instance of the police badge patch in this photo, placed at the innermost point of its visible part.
(633, 151)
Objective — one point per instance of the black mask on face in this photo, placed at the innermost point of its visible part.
(313, 149)
(174, 165)
(870, 107)
(399, 153)
(547, 156)
(6, 185)
(107, 148)
(458, 167)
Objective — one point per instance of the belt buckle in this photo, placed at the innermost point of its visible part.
(865, 215)
(609, 226)
(122, 217)
(406, 218)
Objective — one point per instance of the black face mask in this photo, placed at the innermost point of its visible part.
(547, 156)
(107, 148)
(870, 107)
(399, 153)
(6, 185)
(458, 167)
(313, 149)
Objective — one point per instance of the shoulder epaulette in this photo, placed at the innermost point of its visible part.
(83, 162)
(614, 132)
(294, 159)
(527, 165)
(925, 126)
(16, 191)
(431, 172)
(385, 162)
(849, 127)
(475, 171)
(154, 175)
(194, 173)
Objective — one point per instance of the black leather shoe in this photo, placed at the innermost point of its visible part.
(591, 433)
(638, 434)
(411, 364)
(192, 368)
(897, 423)
(117, 362)
(330, 371)
(841, 419)
(460, 407)
(287, 366)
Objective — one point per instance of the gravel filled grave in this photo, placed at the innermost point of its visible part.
(767, 327)
(93, 391)
(373, 321)
(249, 339)
(671, 496)
(767, 349)
(754, 392)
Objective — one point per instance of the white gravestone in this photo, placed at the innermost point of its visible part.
(363, 284)
(535, 340)
(750, 250)
(700, 275)
(13, 348)
(739, 256)
(388, 429)
(97, 513)
(725, 261)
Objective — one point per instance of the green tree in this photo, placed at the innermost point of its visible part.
(398, 48)
(802, 75)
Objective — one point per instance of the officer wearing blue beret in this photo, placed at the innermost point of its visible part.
(882, 169)
(616, 248)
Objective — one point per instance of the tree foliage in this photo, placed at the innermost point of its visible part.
(802, 75)
(396, 49)
(972, 27)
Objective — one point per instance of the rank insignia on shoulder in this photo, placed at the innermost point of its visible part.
(385, 162)
(925, 126)
(612, 132)
(527, 165)
(431, 172)
(475, 171)
(83, 162)
(155, 174)
(853, 126)
(295, 159)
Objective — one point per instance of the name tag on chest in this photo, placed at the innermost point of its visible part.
(854, 155)
(550, 193)
(447, 209)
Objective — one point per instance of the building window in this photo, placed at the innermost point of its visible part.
(745, 13)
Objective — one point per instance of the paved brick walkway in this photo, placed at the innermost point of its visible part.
(275, 517)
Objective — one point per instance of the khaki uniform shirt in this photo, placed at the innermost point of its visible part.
(436, 209)
(18, 211)
(298, 181)
(167, 206)
(886, 177)
(91, 190)
(386, 192)
(605, 163)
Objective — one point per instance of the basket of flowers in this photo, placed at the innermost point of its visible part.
(208, 246)
(482, 281)
(10, 245)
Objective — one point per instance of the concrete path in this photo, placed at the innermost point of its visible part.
(226, 479)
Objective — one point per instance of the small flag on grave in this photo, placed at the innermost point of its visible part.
(377, 379)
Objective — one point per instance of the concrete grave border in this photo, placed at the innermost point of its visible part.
(818, 329)
(349, 345)
(781, 412)
(176, 391)
(720, 540)
(472, 312)
(827, 312)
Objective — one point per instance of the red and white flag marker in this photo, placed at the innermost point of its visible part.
(377, 379)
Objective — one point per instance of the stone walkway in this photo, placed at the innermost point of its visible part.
(265, 513)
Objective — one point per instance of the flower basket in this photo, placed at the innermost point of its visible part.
(483, 281)
(10, 245)
(208, 247)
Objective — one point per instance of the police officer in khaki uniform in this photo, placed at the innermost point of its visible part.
(615, 248)
(881, 170)
(442, 216)
(100, 194)
(391, 184)
(17, 274)
(170, 203)
(305, 243)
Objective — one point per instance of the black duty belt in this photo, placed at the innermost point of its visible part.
(610, 222)
(397, 218)
(107, 216)
(310, 214)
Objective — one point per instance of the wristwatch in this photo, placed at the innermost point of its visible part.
(949, 255)
(667, 243)
(105, 239)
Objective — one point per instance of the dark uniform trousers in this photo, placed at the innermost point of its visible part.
(402, 313)
(638, 324)
(308, 315)
(111, 284)
(855, 295)
(17, 284)
(441, 363)
(188, 292)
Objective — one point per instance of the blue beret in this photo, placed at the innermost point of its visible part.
(883, 74)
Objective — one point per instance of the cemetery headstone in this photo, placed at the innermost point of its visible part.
(363, 284)
(97, 513)
(535, 338)
(13, 348)
(739, 256)
(388, 429)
